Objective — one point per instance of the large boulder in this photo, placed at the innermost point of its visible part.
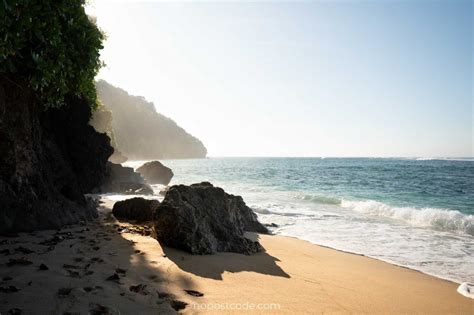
(135, 209)
(124, 180)
(203, 219)
(156, 173)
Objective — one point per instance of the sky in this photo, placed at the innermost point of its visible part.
(300, 78)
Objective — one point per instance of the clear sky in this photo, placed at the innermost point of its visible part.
(305, 78)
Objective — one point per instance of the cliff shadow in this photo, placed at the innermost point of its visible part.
(213, 266)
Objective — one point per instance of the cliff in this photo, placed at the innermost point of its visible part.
(48, 160)
(138, 131)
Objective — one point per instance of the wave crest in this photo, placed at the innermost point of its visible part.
(440, 219)
(319, 199)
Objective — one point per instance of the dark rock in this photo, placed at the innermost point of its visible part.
(203, 219)
(137, 209)
(43, 267)
(124, 180)
(272, 225)
(115, 278)
(156, 173)
(178, 305)
(139, 288)
(121, 271)
(48, 160)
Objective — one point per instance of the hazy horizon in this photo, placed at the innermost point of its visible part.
(300, 79)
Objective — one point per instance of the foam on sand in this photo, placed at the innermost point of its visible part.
(467, 289)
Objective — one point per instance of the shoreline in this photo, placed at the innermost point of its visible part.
(290, 276)
(371, 257)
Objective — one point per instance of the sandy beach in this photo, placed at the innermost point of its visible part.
(109, 267)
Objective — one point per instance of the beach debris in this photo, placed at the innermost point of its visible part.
(22, 261)
(194, 293)
(178, 305)
(9, 289)
(62, 292)
(115, 278)
(139, 288)
(30, 283)
(15, 311)
(7, 278)
(97, 309)
(113, 254)
(137, 251)
(43, 267)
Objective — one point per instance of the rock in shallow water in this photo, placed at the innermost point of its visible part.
(124, 180)
(137, 209)
(156, 173)
(203, 219)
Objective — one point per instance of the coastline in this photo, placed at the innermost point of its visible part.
(291, 276)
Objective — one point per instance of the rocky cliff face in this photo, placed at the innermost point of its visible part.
(48, 160)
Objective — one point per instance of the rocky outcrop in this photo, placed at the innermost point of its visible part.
(48, 160)
(203, 219)
(124, 180)
(135, 209)
(156, 173)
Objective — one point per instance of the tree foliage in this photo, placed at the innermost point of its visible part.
(54, 45)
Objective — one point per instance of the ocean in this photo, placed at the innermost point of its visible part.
(417, 213)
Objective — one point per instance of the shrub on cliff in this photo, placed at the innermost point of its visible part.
(53, 45)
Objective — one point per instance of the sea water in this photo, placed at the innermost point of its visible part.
(417, 213)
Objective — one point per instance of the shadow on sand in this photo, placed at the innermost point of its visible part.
(213, 266)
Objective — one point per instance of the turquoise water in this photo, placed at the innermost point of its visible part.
(417, 213)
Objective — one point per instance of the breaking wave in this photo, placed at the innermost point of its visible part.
(439, 219)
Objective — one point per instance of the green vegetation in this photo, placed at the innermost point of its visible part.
(53, 45)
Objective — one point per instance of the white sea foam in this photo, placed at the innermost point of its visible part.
(440, 219)
(467, 289)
